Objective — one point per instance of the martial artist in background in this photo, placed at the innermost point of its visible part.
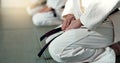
(35, 6)
(49, 14)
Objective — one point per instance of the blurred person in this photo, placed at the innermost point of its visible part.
(50, 14)
(35, 6)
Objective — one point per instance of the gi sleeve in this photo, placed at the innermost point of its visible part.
(68, 8)
(97, 12)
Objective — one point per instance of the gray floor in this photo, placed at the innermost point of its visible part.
(19, 38)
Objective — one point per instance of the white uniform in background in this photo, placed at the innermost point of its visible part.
(36, 9)
(90, 42)
(35, 1)
(48, 18)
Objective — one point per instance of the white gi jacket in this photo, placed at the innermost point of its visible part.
(81, 45)
(101, 10)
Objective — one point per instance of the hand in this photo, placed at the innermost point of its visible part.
(74, 24)
(67, 21)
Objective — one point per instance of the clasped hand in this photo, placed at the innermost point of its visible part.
(71, 23)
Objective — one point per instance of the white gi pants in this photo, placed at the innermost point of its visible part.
(81, 45)
(47, 18)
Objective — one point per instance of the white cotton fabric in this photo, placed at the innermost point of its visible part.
(70, 46)
(116, 23)
(90, 42)
(46, 19)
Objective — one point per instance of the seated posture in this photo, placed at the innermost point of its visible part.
(87, 33)
(49, 14)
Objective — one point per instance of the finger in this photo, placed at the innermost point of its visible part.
(67, 24)
(64, 25)
(69, 27)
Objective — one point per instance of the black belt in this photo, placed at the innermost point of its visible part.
(47, 35)
(53, 32)
(114, 11)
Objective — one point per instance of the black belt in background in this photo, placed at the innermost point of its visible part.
(54, 11)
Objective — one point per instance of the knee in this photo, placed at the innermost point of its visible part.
(38, 20)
